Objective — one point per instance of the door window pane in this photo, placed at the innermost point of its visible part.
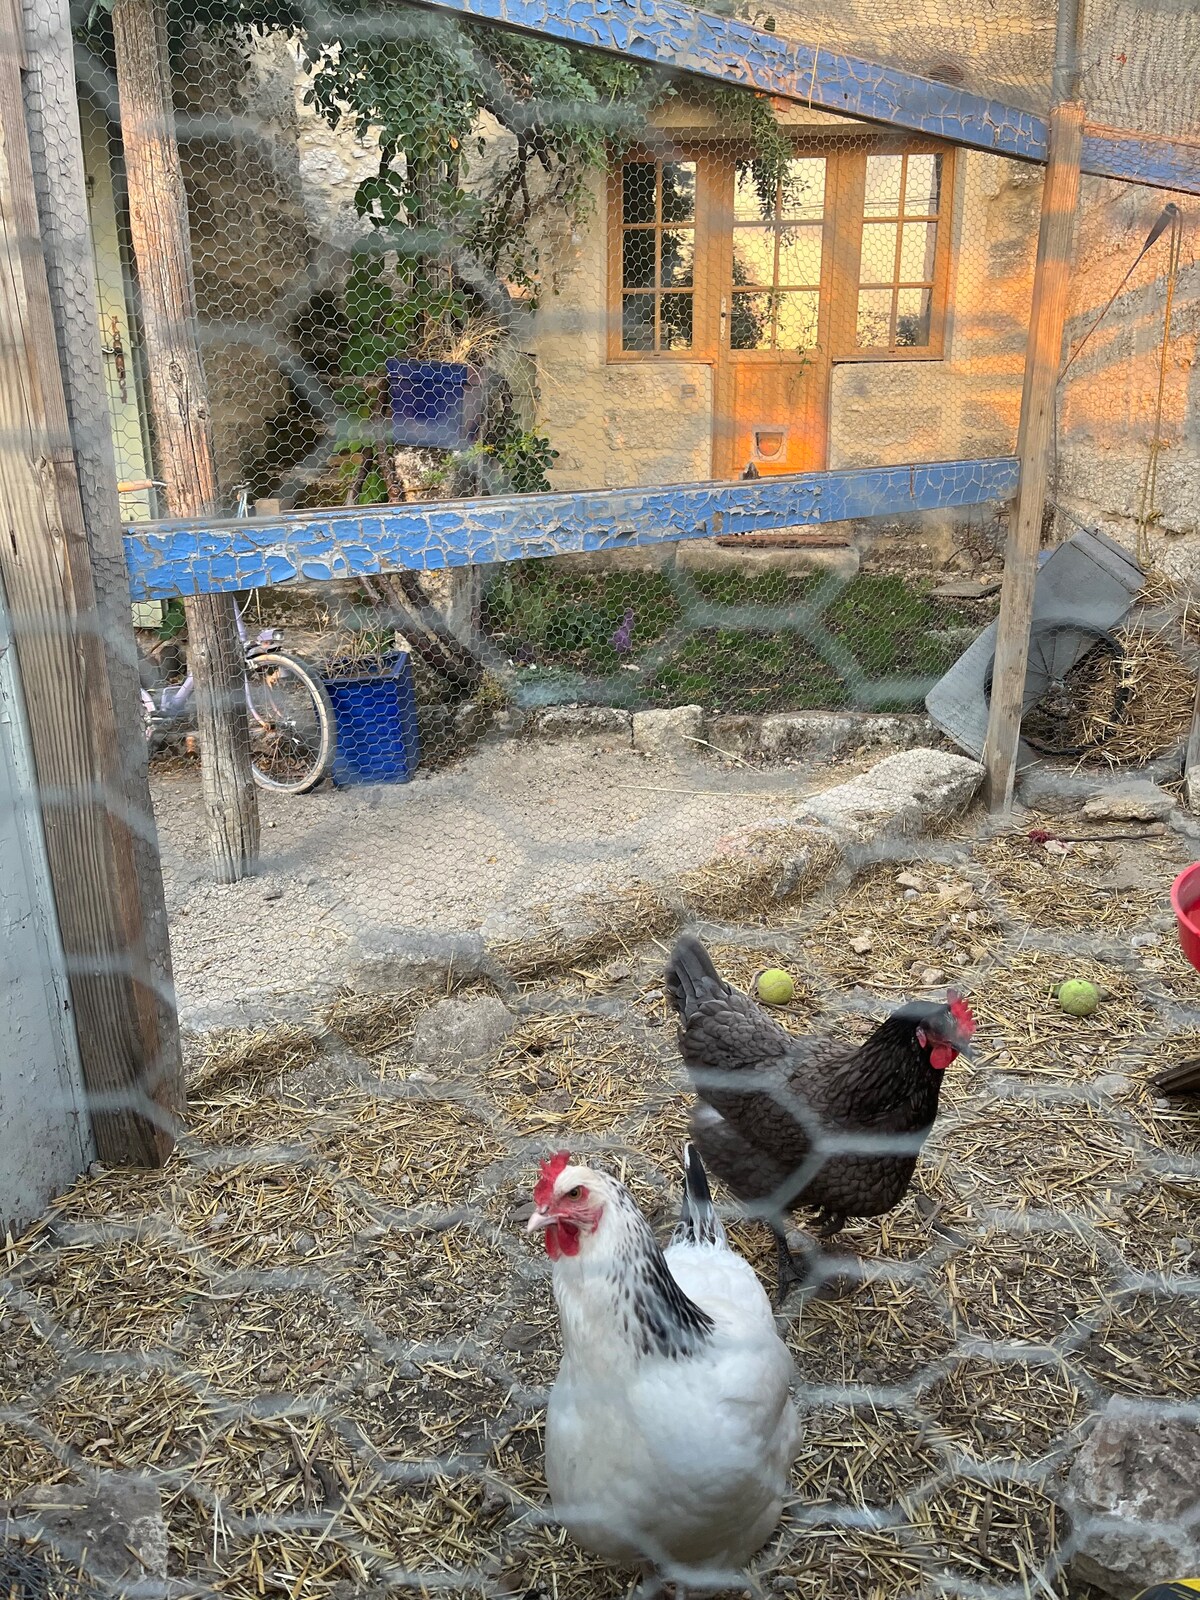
(884, 178)
(675, 322)
(750, 322)
(750, 203)
(922, 191)
(754, 256)
(677, 260)
(803, 197)
(679, 192)
(637, 187)
(800, 255)
(796, 320)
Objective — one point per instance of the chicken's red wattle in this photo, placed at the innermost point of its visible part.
(562, 1239)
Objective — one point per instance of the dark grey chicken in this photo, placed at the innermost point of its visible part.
(789, 1122)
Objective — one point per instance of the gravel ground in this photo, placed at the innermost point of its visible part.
(511, 826)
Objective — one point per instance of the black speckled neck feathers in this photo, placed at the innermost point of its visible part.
(655, 1313)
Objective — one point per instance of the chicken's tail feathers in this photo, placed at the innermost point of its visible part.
(691, 976)
(698, 1220)
(1181, 1079)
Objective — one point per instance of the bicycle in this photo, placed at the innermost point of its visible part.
(292, 729)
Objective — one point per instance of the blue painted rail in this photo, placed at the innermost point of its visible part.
(671, 34)
(181, 558)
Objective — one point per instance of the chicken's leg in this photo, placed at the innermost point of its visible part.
(790, 1272)
(832, 1222)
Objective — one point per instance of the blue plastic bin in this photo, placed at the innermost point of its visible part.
(435, 404)
(376, 717)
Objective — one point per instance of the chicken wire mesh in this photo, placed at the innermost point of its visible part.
(434, 261)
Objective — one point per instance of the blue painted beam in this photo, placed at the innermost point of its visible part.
(668, 33)
(181, 558)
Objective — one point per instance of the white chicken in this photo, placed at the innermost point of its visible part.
(670, 1430)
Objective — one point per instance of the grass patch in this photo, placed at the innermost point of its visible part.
(776, 641)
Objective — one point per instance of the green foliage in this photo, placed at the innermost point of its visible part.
(725, 640)
(526, 458)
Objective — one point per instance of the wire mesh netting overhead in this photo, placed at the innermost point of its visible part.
(434, 261)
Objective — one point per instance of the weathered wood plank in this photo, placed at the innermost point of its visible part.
(1043, 357)
(183, 558)
(134, 1095)
(727, 50)
(161, 238)
(52, 118)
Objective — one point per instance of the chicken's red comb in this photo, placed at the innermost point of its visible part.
(961, 1012)
(543, 1191)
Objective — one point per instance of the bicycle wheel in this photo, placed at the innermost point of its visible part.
(1075, 690)
(291, 723)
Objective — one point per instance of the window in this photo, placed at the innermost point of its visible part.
(657, 255)
(898, 276)
(846, 257)
(777, 243)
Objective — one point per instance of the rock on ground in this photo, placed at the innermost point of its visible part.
(1130, 802)
(670, 733)
(1134, 1500)
(788, 734)
(914, 791)
(461, 1031)
(112, 1526)
(558, 722)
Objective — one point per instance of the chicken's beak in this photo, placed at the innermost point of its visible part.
(538, 1221)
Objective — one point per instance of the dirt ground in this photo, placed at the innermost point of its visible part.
(513, 824)
(324, 1335)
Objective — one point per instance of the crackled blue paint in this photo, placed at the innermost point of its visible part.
(180, 558)
(669, 33)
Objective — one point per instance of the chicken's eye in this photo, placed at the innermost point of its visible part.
(574, 1194)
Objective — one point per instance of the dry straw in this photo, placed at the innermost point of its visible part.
(323, 1332)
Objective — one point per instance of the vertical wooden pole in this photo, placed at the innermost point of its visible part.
(1051, 285)
(130, 1068)
(1191, 760)
(52, 118)
(182, 426)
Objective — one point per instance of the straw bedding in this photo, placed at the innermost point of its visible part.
(323, 1332)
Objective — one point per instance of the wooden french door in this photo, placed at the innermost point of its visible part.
(777, 268)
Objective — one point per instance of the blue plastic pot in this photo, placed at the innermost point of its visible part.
(435, 404)
(376, 717)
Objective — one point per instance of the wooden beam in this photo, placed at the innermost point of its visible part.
(674, 35)
(52, 119)
(196, 557)
(1043, 357)
(158, 225)
(130, 1072)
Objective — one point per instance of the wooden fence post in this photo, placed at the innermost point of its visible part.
(130, 1064)
(1051, 284)
(52, 118)
(182, 426)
